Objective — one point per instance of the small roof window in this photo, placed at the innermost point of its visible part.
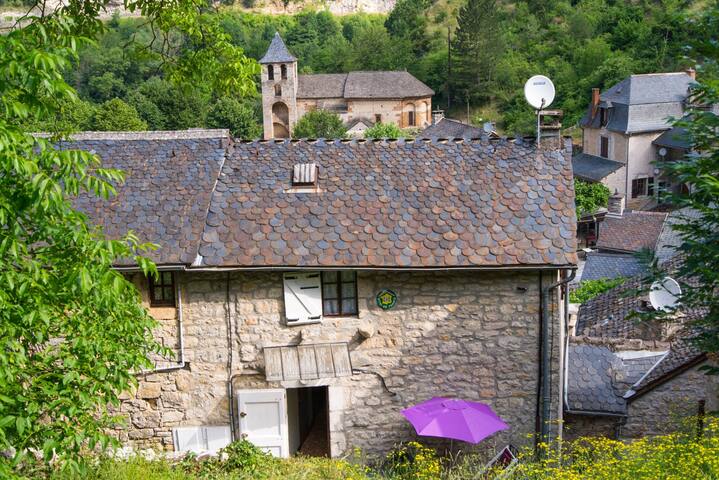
(304, 175)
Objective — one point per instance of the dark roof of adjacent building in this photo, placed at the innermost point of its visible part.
(169, 178)
(393, 204)
(362, 85)
(670, 238)
(631, 232)
(674, 138)
(641, 103)
(610, 265)
(592, 385)
(683, 354)
(650, 88)
(277, 52)
(448, 128)
(593, 168)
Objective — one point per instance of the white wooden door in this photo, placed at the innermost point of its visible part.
(263, 420)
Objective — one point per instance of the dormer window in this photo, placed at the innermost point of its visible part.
(283, 70)
(304, 175)
(271, 72)
(278, 90)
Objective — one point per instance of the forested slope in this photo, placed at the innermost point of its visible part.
(496, 46)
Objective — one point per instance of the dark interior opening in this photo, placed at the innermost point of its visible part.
(309, 430)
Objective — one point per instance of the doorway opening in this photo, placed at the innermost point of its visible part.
(308, 421)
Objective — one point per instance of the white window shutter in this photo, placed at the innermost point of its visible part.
(217, 437)
(188, 439)
(303, 297)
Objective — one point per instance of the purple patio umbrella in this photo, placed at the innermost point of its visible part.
(453, 418)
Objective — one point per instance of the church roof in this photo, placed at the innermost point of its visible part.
(277, 52)
(362, 85)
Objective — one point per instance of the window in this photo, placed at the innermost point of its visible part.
(604, 147)
(339, 293)
(603, 116)
(639, 187)
(309, 296)
(278, 90)
(410, 118)
(283, 70)
(650, 186)
(162, 290)
(271, 72)
(378, 118)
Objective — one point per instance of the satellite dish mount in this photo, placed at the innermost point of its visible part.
(539, 93)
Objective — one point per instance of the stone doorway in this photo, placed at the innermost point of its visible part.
(308, 419)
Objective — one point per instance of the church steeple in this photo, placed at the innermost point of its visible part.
(279, 90)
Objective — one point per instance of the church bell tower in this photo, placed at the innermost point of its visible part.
(279, 90)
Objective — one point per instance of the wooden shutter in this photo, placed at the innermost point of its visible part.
(303, 297)
(201, 438)
(604, 147)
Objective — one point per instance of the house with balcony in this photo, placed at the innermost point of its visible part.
(627, 128)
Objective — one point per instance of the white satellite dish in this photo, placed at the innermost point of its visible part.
(539, 92)
(664, 294)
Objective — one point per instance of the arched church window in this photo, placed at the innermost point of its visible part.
(271, 72)
(278, 90)
(283, 69)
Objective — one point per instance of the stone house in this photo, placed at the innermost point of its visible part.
(312, 289)
(627, 128)
(361, 99)
(628, 379)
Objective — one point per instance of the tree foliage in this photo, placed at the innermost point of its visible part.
(240, 118)
(320, 124)
(72, 330)
(384, 130)
(700, 170)
(116, 115)
(589, 197)
(588, 289)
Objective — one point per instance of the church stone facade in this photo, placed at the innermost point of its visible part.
(361, 99)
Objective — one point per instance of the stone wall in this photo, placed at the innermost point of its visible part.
(470, 335)
(576, 426)
(666, 408)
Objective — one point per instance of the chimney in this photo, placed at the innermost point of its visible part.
(595, 101)
(615, 206)
(437, 115)
(691, 72)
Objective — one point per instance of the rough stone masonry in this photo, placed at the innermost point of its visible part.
(473, 335)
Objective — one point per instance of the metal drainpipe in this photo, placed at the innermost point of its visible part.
(230, 377)
(547, 355)
(181, 342)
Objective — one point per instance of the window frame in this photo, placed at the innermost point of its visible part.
(603, 116)
(411, 120)
(270, 72)
(283, 71)
(338, 285)
(602, 140)
(638, 191)
(163, 302)
(278, 90)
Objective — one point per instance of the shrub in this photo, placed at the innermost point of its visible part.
(116, 115)
(320, 124)
(384, 130)
(412, 461)
(589, 196)
(589, 289)
(236, 116)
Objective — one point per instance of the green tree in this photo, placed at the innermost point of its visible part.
(72, 329)
(589, 197)
(240, 118)
(320, 124)
(372, 48)
(700, 170)
(408, 20)
(116, 115)
(477, 46)
(384, 130)
(181, 107)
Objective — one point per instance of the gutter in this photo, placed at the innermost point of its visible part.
(294, 268)
(546, 356)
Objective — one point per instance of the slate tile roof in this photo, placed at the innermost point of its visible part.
(609, 265)
(669, 238)
(674, 138)
(448, 128)
(362, 85)
(682, 354)
(169, 179)
(592, 385)
(393, 204)
(277, 52)
(593, 168)
(631, 232)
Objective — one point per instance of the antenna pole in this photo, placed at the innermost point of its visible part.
(539, 124)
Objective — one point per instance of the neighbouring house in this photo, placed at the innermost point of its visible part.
(312, 289)
(627, 128)
(361, 99)
(443, 127)
(628, 379)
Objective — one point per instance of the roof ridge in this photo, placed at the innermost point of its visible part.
(189, 134)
